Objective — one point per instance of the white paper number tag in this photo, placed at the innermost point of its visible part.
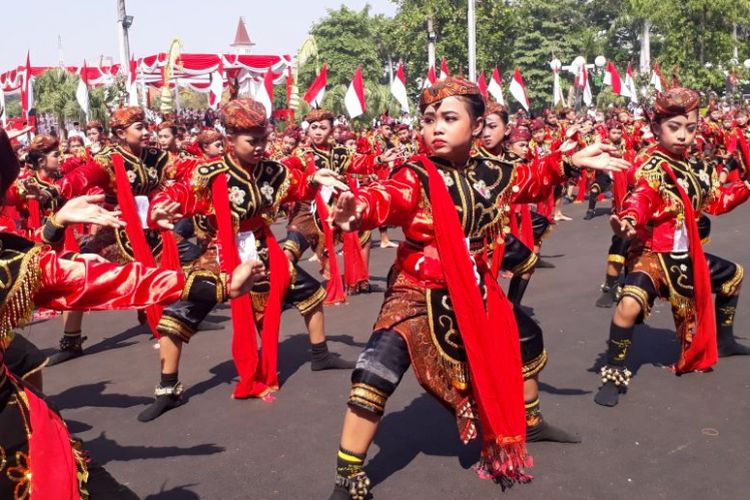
(246, 246)
(141, 203)
(326, 192)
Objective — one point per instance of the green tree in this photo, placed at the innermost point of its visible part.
(55, 93)
(346, 39)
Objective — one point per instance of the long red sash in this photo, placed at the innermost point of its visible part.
(137, 238)
(702, 353)
(490, 337)
(335, 293)
(53, 469)
(35, 217)
(355, 267)
(255, 378)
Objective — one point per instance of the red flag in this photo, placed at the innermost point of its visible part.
(398, 88)
(444, 71)
(612, 78)
(27, 92)
(265, 93)
(495, 88)
(314, 95)
(431, 78)
(518, 89)
(355, 95)
(482, 84)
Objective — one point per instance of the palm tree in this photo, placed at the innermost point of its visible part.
(55, 93)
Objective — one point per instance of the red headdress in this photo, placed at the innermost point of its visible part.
(244, 115)
(124, 117)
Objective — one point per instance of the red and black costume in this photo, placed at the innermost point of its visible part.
(666, 260)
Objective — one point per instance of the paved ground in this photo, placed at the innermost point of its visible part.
(669, 438)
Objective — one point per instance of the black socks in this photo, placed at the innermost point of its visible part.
(609, 292)
(351, 480)
(537, 429)
(322, 359)
(725, 310)
(168, 396)
(615, 376)
(71, 346)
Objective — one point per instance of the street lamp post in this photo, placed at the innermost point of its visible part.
(472, 41)
(124, 22)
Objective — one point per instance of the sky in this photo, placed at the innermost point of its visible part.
(88, 27)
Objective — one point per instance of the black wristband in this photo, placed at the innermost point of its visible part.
(52, 232)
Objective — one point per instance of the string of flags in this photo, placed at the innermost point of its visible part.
(355, 100)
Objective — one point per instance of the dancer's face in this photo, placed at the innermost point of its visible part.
(493, 132)
(166, 138)
(520, 148)
(288, 145)
(319, 132)
(135, 136)
(215, 148)
(249, 147)
(448, 129)
(677, 133)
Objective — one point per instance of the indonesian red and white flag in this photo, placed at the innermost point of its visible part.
(398, 88)
(215, 89)
(132, 85)
(612, 78)
(495, 87)
(656, 78)
(482, 84)
(444, 71)
(314, 95)
(264, 94)
(518, 90)
(630, 84)
(27, 94)
(582, 81)
(82, 91)
(431, 78)
(3, 116)
(354, 101)
(557, 93)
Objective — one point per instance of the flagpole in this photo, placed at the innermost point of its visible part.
(124, 22)
(472, 41)
(431, 37)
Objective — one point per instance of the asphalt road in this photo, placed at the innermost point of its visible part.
(670, 437)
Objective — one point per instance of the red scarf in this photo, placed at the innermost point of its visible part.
(490, 337)
(335, 293)
(355, 267)
(170, 258)
(35, 217)
(702, 353)
(255, 378)
(53, 468)
(525, 230)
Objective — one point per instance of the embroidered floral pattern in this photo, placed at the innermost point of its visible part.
(447, 177)
(21, 475)
(132, 176)
(267, 191)
(236, 196)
